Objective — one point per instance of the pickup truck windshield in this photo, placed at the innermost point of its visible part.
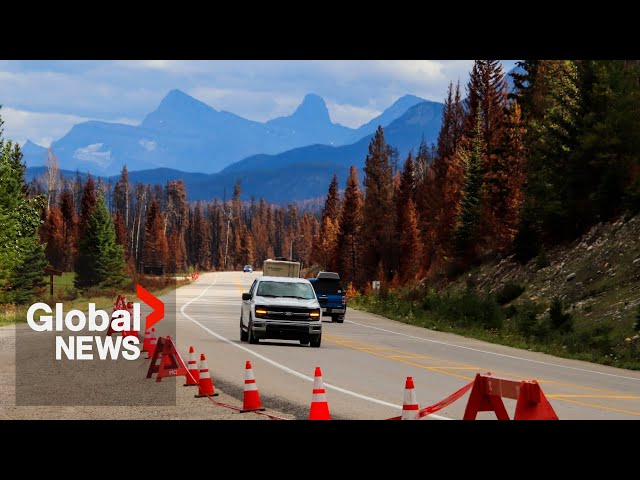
(326, 286)
(285, 289)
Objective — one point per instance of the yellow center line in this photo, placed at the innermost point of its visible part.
(446, 367)
(425, 367)
(367, 348)
(580, 387)
(416, 356)
(600, 407)
(239, 286)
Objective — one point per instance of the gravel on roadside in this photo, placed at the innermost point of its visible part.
(79, 390)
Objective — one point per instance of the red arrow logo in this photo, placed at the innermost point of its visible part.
(154, 302)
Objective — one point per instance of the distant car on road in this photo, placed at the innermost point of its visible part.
(247, 268)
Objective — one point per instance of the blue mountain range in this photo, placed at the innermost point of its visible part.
(296, 174)
(186, 134)
(287, 158)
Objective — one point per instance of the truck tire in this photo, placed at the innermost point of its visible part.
(244, 336)
(315, 341)
(252, 339)
(337, 318)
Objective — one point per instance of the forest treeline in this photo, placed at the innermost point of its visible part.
(515, 170)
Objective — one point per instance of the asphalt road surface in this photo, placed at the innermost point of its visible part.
(366, 360)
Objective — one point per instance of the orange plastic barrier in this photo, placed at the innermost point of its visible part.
(171, 363)
(487, 393)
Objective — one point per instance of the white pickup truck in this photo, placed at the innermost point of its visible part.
(283, 308)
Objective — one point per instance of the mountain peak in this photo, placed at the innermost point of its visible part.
(177, 110)
(408, 98)
(30, 144)
(313, 108)
(395, 111)
(178, 98)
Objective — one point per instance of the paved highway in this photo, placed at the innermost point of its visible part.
(365, 362)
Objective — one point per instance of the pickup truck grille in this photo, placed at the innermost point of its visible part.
(287, 313)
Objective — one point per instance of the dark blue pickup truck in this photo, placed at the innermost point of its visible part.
(331, 295)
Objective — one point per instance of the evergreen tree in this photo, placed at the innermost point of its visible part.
(121, 233)
(278, 234)
(53, 237)
(407, 187)
(410, 244)
(177, 214)
(487, 93)
(552, 130)
(503, 182)
(524, 92)
(436, 197)
(122, 197)
(22, 257)
(247, 250)
(175, 259)
(156, 249)
(452, 123)
(515, 172)
(608, 142)
(87, 204)
(468, 217)
(201, 240)
(332, 202)
(422, 163)
(404, 192)
(100, 258)
(377, 211)
(260, 233)
(70, 231)
(324, 241)
(487, 96)
(348, 242)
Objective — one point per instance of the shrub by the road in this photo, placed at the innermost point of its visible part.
(508, 293)
(483, 317)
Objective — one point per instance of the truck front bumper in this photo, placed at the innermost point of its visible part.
(285, 330)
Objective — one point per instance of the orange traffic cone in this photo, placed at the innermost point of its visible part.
(147, 341)
(194, 377)
(153, 341)
(410, 409)
(205, 385)
(251, 401)
(319, 405)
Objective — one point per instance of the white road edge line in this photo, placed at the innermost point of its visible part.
(285, 368)
(494, 353)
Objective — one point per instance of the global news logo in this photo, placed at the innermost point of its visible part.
(86, 347)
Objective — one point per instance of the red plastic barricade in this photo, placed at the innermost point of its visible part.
(171, 363)
(487, 393)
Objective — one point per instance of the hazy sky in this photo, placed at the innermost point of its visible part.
(42, 99)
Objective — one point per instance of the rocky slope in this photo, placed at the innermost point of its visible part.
(597, 277)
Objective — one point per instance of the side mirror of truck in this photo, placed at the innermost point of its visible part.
(246, 296)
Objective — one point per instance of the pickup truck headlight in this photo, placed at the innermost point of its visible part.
(315, 314)
(261, 312)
